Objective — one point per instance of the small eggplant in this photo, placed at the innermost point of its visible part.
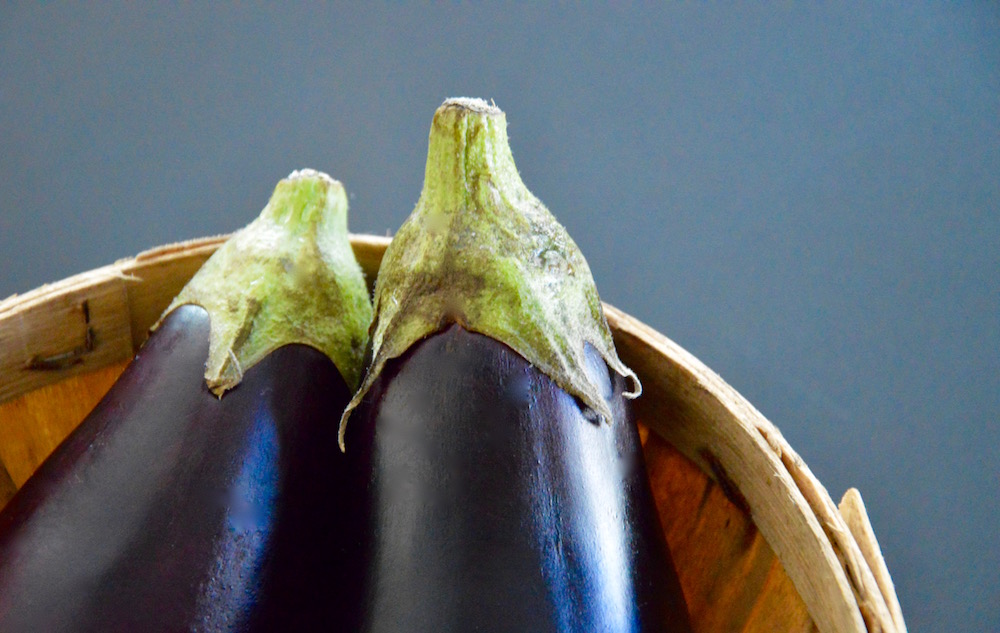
(507, 489)
(210, 496)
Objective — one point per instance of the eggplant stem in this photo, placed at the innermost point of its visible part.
(288, 277)
(481, 249)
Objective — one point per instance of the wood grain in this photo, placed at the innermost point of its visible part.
(36, 423)
(852, 508)
(70, 328)
(731, 578)
(702, 416)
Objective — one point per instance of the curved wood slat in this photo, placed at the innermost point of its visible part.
(707, 420)
(852, 508)
(715, 428)
(731, 577)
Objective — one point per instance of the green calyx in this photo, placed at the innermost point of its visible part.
(481, 251)
(288, 277)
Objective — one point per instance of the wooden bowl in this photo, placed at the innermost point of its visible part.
(758, 543)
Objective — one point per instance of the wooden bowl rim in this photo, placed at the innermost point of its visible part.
(830, 553)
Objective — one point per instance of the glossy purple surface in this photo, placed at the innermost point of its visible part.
(169, 509)
(495, 504)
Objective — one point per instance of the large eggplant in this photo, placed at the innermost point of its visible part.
(171, 508)
(507, 490)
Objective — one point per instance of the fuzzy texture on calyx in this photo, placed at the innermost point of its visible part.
(481, 251)
(289, 276)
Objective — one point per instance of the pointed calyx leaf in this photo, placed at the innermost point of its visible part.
(288, 277)
(481, 251)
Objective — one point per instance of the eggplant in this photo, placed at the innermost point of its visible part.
(205, 492)
(506, 485)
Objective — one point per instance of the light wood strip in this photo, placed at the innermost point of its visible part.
(852, 507)
(82, 327)
(707, 420)
(121, 301)
(870, 600)
(732, 580)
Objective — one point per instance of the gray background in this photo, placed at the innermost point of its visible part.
(804, 198)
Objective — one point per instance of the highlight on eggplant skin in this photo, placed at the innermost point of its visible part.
(507, 490)
(495, 504)
(171, 508)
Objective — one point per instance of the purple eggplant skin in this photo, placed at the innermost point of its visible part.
(496, 504)
(169, 509)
